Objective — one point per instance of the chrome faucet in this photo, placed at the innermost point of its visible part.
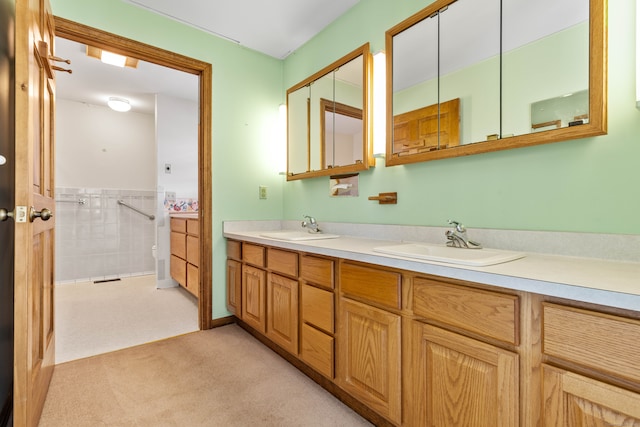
(457, 238)
(311, 224)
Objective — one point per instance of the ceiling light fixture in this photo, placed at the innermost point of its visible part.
(119, 104)
(113, 58)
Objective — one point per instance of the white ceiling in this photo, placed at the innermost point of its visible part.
(276, 28)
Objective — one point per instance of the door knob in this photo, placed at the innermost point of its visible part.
(5, 214)
(44, 214)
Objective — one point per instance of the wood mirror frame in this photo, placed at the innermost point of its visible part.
(597, 120)
(367, 149)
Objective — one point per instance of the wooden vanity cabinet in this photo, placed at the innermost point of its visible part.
(590, 376)
(369, 341)
(234, 277)
(185, 253)
(456, 379)
(282, 298)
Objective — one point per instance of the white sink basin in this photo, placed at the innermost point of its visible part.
(294, 235)
(441, 253)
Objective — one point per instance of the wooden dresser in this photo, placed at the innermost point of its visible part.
(185, 252)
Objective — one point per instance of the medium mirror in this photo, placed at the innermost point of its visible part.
(327, 123)
(469, 77)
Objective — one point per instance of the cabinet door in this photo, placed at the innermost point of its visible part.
(369, 357)
(254, 287)
(459, 381)
(282, 312)
(573, 400)
(234, 285)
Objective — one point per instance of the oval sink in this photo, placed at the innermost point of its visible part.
(474, 257)
(294, 235)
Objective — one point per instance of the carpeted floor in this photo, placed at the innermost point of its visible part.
(220, 377)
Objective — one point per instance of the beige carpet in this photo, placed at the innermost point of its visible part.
(220, 377)
(95, 318)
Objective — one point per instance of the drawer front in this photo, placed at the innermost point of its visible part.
(317, 307)
(178, 270)
(284, 262)
(178, 245)
(234, 249)
(319, 271)
(253, 254)
(316, 349)
(595, 340)
(373, 284)
(179, 225)
(193, 250)
(489, 314)
(193, 227)
(193, 279)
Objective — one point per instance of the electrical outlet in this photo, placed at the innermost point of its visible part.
(262, 191)
(170, 195)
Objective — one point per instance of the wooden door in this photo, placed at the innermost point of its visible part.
(459, 381)
(254, 287)
(282, 311)
(573, 400)
(34, 236)
(369, 357)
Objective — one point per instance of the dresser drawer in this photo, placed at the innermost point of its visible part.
(373, 284)
(178, 225)
(317, 307)
(193, 227)
(178, 245)
(193, 279)
(316, 270)
(316, 348)
(490, 314)
(193, 250)
(595, 340)
(284, 262)
(178, 270)
(234, 249)
(253, 254)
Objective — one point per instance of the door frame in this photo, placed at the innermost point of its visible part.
(87, 35)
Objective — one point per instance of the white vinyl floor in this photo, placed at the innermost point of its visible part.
(95, 318)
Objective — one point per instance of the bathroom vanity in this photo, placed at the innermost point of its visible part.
(407, 342)
(185, 251)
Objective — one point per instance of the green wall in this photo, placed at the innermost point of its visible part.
(247, 90)
(586, 185)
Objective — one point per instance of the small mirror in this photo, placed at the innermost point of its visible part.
(328, 126)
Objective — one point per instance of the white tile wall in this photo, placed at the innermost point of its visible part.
(101, 239)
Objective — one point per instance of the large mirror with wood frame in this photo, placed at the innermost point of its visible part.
(473, 76)
(328, 126)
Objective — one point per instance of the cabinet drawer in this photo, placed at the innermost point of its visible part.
(178, 245)
(316, 348)
(179, 225)
(193, 227)
(234, 249)
(178, 270)
(284, 262)
(193, 279)
(253, 254)
(317, 307)
(595, 340)
(193, 250)
(373, 284)
(489, 314)
(319, 271)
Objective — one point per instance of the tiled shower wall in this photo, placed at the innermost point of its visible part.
(100, 239)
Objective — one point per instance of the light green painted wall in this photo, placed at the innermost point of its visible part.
(247, 89)
(586, 185)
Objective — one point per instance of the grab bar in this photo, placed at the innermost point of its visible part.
(151, 217)
(78, 201)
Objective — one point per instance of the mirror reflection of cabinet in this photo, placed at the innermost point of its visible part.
(511, 64)
(328, 124)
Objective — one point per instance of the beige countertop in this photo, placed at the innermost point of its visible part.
(190, 215)
(606, 282)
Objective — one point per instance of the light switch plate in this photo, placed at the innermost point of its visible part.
(262, 192)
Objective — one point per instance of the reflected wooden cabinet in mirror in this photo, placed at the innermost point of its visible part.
(473, 76)
(328, 119)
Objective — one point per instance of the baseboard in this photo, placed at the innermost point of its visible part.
(324, 382)
(222, 321)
